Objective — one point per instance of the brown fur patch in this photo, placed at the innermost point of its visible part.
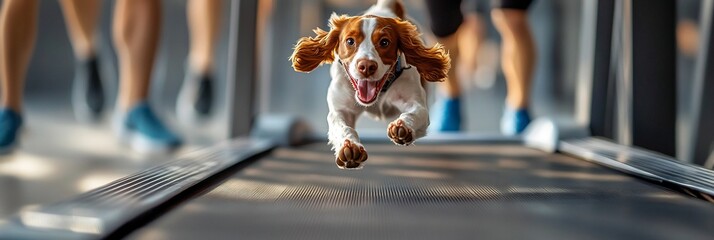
(310, 53)
(433, 63)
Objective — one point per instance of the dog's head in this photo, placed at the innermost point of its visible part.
(368, 47)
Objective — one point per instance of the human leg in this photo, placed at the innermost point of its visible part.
(136, 34)
(446, 18)
(196, 96)
(18, 29)
(518, 61)
(82, 18)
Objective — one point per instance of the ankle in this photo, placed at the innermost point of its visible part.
(14, 107)
(128, 104)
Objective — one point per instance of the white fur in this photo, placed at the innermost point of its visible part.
(405, 100)
(366, 50)
(382, 9)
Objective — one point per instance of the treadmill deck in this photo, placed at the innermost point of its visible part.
(486, 191)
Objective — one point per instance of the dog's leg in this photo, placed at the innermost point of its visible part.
(349, 152)
(411, 124)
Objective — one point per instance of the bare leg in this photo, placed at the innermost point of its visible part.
(447, 20)
(136, 36)
(451, 87)
(518, 54)
(203, 21)
(195, 99)
(463, 47)
(82, 18)
(471, 36)
(18, 27)
(688, 37)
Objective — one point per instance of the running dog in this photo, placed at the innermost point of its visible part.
(379, 64)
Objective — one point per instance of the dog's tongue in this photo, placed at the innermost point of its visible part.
(367, 90)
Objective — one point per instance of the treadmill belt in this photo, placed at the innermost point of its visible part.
(485, 191)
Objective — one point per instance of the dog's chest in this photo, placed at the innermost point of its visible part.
(382, 110)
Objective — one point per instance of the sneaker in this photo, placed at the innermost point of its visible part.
(446, 115)
(10, 122)
(195, 100)
(87, 92)
(141, 129)
(514, 121)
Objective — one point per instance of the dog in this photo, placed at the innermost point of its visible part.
(378, 66)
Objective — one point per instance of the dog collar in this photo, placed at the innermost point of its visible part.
(398, 69)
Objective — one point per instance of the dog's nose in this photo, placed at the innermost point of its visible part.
(366, 67)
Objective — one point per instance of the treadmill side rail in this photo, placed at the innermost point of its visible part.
(643, 163)
(100, 212)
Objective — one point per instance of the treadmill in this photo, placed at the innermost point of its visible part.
(456, 187)
(558, 181)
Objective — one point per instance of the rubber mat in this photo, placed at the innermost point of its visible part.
(485, 191)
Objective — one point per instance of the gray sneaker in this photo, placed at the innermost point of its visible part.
(195, 100)
(87, 92)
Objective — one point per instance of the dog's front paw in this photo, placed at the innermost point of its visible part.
(351, 156)
(400, 133)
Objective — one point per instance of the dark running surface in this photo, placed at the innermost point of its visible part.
(486, 191)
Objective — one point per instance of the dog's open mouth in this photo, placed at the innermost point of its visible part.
(367, 91)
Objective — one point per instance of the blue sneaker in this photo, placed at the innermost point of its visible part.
(514, 121)
(144, 132)
(447, 115)
(10, 122)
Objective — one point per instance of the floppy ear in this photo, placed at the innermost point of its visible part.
(310, 53)
(432, 63)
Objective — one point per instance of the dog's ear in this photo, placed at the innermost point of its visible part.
(432, 63)
(310, 53)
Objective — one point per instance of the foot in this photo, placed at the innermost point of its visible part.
(514, 121)
(87, 92)
(144, 131)
(447, 115)
(351, 156)
(10, 122)
(195, 101)
(399, 133)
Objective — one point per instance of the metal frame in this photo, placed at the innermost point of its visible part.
(241, 76)
(593, 106)
(654, 75)
(702, 121)
(588, 32)
(116, 209)
(624, 76)
(650, 165)
(646, 89)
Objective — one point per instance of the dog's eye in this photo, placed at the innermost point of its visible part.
(350, 41)
(384, 42)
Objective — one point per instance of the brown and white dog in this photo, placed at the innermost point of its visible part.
(378, 64)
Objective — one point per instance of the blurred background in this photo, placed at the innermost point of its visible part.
(555, 24)
(60, 156)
